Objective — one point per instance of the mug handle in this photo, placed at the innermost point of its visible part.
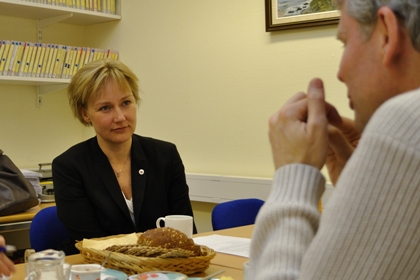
(158, 221)
(28, 252)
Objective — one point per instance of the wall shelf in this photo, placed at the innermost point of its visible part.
(44, 85)
(32, 81)
(49, 14)
(23, 9)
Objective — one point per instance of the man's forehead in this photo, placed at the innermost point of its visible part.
(346, 23)
(341, 29)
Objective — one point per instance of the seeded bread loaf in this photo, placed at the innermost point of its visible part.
(168, 238)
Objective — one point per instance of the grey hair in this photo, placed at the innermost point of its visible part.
(366, 11)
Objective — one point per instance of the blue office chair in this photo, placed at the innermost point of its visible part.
(235, 213)
(46, 231)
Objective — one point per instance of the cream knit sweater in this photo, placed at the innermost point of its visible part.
(371, 226)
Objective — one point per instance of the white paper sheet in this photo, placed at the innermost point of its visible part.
(226, 244)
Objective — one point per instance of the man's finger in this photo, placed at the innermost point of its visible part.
(346, 125)
(316, 104)
(339, 144)
(298, 96)
(333, 116)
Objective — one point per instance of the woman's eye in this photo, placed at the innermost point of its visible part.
(104, 108)
(127, 102)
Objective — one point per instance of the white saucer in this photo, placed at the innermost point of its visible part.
(114, 273)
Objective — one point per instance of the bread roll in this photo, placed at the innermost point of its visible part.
(168, 238)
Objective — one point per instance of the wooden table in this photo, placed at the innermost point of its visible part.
(232, 265)
(22, 220)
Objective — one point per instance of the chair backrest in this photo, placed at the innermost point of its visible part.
(235, 213)
(46, 231)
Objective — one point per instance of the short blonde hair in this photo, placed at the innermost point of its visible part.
(89, 81)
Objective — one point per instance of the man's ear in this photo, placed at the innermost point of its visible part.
(391, 35)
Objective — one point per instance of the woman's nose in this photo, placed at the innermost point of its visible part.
(119, 116)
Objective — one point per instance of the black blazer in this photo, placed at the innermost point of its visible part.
(90, 202)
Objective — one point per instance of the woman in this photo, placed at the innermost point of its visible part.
(116, 182)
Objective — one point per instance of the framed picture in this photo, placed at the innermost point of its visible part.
(287, 14)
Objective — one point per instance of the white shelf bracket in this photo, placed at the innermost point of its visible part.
(50, 88)
(39, 35)
(41, 90)
(48, 21)
(38, 97)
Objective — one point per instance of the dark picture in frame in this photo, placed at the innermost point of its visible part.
(287, 14)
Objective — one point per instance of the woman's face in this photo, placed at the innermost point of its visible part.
(113, 114)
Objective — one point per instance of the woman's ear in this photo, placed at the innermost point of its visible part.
(391, 34)
(84, 115)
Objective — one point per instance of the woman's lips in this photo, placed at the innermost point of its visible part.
(119, 129)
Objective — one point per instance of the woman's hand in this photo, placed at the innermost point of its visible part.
(6, 265)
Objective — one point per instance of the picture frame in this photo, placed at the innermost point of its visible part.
(296, 20)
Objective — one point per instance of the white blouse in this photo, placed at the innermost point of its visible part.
(129, 203)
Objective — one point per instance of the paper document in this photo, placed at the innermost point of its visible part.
(226, 244)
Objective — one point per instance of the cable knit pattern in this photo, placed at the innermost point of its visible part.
(371, 226)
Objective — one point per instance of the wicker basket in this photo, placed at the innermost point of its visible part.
(133, 265)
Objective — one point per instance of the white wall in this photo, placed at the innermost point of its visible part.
(210, 77)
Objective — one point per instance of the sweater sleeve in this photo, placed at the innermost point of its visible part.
(287, 223)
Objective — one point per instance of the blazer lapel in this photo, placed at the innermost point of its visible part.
(106, 173)
(139, 170)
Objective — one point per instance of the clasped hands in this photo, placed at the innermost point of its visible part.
(308, 130)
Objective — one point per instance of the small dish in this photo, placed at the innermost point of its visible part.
(200, 278)
(159, 275)
(113, 273)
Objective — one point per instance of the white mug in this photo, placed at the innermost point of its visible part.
(86, 272)
(182, 223)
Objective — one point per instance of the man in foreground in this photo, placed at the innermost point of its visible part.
(372, 227)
